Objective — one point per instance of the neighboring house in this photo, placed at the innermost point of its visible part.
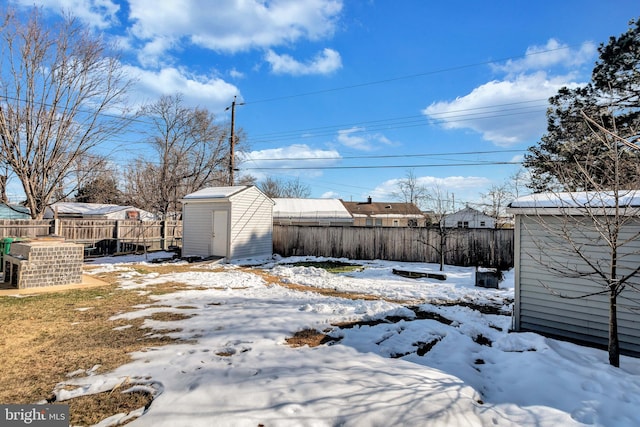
(14, 212)
(384, 214)
(468, 218)
(293, 211)
(552, 302)
(230, 222)
(96, 211)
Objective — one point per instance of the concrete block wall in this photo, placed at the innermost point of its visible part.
(45, 263)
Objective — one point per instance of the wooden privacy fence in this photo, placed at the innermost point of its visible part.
(463, 247)
(101, 236)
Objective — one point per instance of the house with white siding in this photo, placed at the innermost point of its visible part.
(468, 218)
(234, 222)
(560, 241)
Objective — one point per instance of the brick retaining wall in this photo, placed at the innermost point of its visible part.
(41, 263)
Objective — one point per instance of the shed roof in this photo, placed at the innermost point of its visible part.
(580, 199)
(310, 208)
(217, 192)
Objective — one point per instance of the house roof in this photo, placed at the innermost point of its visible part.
(8, 211)
(76, 208)
(310, 209)
(386, 209)
(581, 199)
(468, 211)
(217, 192)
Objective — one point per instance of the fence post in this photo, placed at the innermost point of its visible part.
(117, 233)
(55, 227)
(163, 234)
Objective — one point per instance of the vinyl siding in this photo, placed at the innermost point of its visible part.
(251, 225)
(196, 229)
(586, 319)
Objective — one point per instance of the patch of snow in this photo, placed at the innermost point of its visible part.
(406, 360)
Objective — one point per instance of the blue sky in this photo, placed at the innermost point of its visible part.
(355, 94)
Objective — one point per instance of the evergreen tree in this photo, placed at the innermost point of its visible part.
(612, 100)
(102, 189)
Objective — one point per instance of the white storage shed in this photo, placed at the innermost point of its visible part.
(559, 246)
(232, 222)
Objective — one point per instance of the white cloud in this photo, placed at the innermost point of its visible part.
(296, 155)
(324, 62)
(550, 55)
(236, 74)
(330, 195)
(235, 25)
(206, 91)
(512, 110)
(95, 13)
(505, 112)
(152, 53)
(357, 138)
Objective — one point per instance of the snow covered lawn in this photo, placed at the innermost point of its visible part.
(408, 358)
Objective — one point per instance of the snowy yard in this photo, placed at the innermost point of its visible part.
(411, 360)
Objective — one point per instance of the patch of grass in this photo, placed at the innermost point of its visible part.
(275, 280)
(331, 266)
(46, 336)
(90, 410)
(165, 316)
(309, 337)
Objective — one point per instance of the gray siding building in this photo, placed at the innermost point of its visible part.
(556, 291)
(233, 222)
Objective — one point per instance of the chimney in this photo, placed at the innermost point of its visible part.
(369, 200)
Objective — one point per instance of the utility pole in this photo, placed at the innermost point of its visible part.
(232, 140)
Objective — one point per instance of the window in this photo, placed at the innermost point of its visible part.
(369, 222)
(465, 224)
(482, 224)
(459, 224)
(396, 223)
(379, 222)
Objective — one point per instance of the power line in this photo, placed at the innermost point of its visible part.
(409, 76)
(390, 124)
(384, 166)
(411, 117)
(390, 156)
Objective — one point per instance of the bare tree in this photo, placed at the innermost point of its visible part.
(497, 198)
(191, 152)
(519, 182)
(592, 236)
(60, 89)
(410, 190)
(275, 188)
(437, 201)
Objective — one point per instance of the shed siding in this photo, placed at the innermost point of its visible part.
(197, 229)
(251, 225)
(585, 319)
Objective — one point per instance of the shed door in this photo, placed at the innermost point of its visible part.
(219, 233)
